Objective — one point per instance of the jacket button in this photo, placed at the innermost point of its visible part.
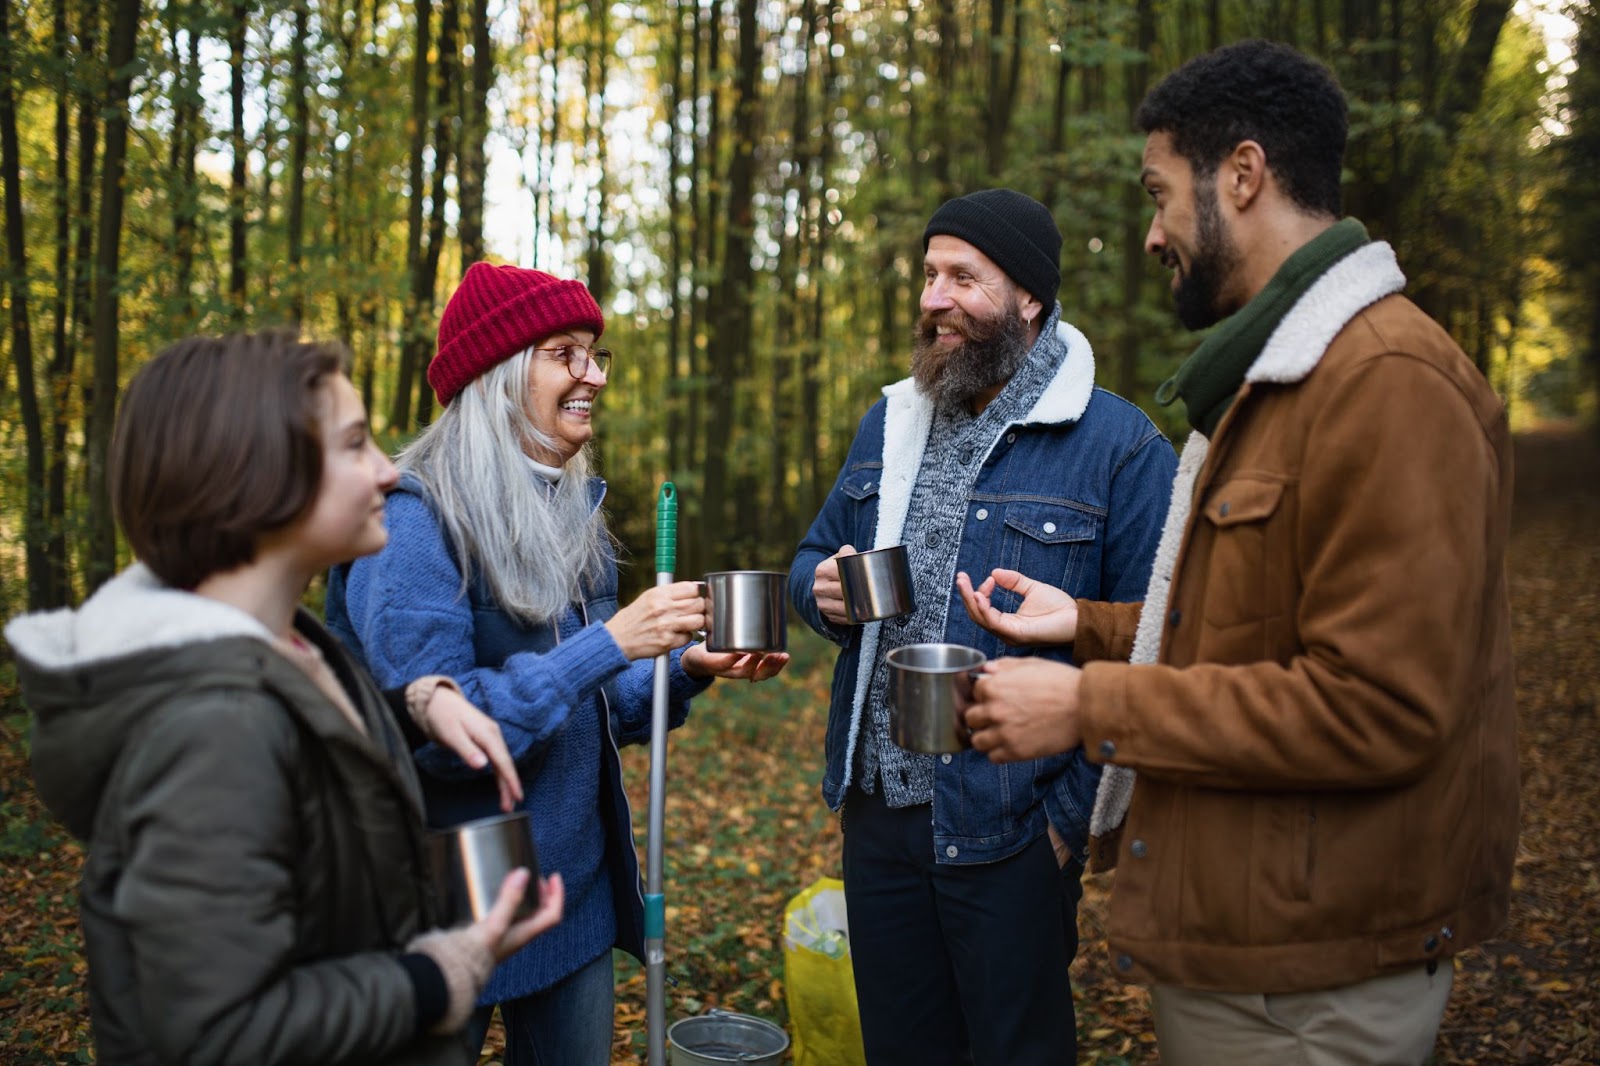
(1011, 438)
(1175, 617)
(1049, 527)
(966, 455)
(1125, 963)
(1431, 944)
(867, 487)
(945, 759)
(983, 512)
(932, 539)
(1108, 750)
(1223, 510)
(1138, 849)
(952, 851)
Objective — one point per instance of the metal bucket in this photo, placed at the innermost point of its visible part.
(718, 1037)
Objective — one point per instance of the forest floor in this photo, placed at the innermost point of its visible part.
(746, 830)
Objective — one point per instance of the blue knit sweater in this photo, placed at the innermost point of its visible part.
(565, 697)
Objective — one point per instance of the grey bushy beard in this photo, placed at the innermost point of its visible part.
(1198, 297)
(991, 352)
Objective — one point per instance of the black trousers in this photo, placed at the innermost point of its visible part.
(957, 964)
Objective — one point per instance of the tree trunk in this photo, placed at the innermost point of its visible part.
(777, 517)
(181, 160)
(119, 61)
(406, 373)
(89, 37)
(299, 135)
(443, 151)
(677, 305)
(818, 482)
(732, 321)
(595, 252)
(474, 128)
(34, 520)
(238, 191)
(1133, 209)
(58, 581)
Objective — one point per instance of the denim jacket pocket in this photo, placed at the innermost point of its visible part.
(863, 481)
(1050, 542)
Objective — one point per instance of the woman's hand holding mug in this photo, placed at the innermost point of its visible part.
(662, 618)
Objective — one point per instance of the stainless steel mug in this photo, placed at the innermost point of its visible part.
(877, 584)
(471, 860)
(930, 688)
(747, 611)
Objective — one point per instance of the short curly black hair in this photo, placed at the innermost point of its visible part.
(1258, 91)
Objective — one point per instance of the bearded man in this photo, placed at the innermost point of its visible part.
(962, 875)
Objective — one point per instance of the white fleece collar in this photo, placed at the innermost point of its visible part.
(133, 612)
(1350, 286)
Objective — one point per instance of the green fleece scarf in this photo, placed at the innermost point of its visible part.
(1210, 378)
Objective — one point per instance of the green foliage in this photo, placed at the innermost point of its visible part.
(866, 117)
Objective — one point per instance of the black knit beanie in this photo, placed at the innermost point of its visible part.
(1016, 231)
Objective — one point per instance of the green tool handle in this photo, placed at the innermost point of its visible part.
(667, 529)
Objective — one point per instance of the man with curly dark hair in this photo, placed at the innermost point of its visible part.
(1316, 693)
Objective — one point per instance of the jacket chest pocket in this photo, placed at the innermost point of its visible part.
(862, 485)
(1051, 542)
(1247, 556)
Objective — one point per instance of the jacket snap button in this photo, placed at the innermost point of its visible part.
(1175, 617)
(952, 851)
(1431, 944)
(983, 512)
(1138, 849)
(966, 455)
(932, 539)
(1049, 527)
(1108, 750)
(867, 487)
(1011, 438)
(945, 759)
(1124, 963)
(1223, 510)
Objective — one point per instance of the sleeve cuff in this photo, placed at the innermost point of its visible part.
(428, 988)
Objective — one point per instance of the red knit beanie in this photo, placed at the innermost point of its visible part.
(496, 312)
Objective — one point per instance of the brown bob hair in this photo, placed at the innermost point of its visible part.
(218, 442)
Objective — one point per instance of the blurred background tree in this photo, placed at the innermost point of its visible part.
(743, 184)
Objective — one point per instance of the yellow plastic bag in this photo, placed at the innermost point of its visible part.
(821, 989)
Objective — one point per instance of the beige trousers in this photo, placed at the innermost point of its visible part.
(1390, 1020)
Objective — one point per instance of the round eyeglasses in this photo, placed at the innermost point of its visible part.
(577, 357)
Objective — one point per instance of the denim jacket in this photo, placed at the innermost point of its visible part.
(1073, 494)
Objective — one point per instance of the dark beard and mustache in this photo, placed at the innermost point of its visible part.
(991, 352)
(1198, 297)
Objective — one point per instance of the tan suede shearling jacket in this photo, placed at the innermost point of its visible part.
(1325, 747)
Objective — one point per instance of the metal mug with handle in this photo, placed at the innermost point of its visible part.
(747, 611)
(470, 861)
(876, 584)
(930, 689)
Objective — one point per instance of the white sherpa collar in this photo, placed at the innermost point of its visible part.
(133, 612)
(1350, 286)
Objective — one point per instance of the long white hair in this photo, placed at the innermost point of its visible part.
(534, 543)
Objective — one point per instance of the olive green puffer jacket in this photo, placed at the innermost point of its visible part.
(255, 864)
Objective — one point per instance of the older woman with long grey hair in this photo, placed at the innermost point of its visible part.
(500, 574)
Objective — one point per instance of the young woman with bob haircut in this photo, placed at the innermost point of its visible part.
(500, 572)
(255, 889)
